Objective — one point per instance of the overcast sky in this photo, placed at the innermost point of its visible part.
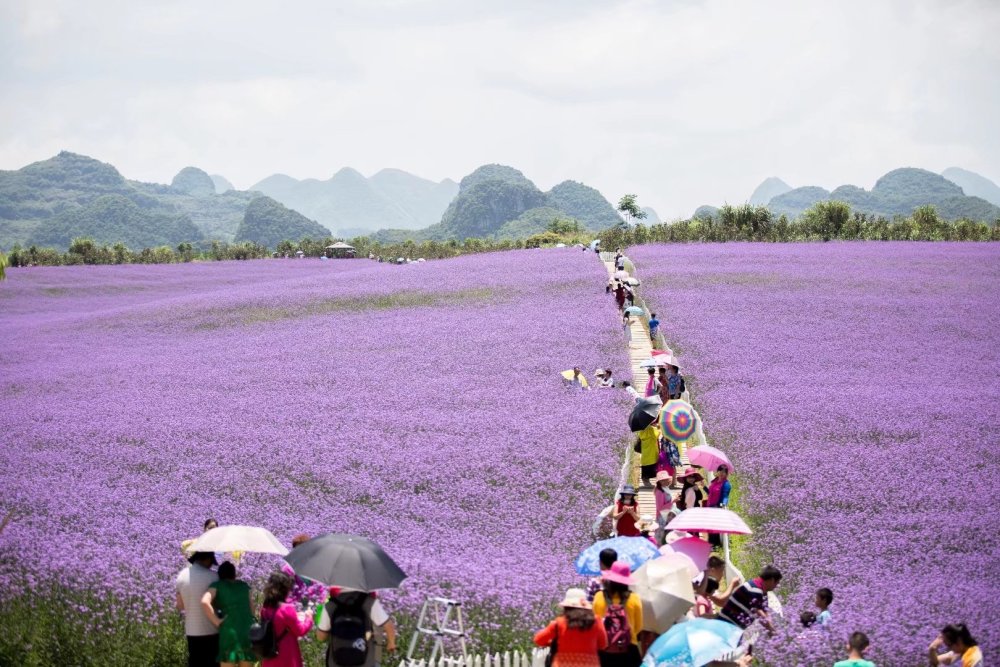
(682, 102)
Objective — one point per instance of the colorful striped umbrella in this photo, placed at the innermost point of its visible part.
(678, 421)
(710, 520)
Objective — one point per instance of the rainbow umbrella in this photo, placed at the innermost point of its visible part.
(678, 421)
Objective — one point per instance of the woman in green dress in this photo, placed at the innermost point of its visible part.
(228, 606)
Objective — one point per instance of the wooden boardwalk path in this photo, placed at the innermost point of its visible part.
(639, 349)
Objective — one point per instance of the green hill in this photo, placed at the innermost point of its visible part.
(487, 198)
(113, 218)
(768, 190)
(585, 204)
(268, 223)
(532, 221)
(705, 212)
(45, 201)
(898, 192)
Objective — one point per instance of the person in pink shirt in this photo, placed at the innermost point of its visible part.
(287, 622)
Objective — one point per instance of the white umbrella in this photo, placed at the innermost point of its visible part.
(239, 538)
(654, 362)
(621, 275)
(664, 587)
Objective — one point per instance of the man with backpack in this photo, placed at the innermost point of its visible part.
(355, 622)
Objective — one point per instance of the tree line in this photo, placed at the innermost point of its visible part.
(824, 221)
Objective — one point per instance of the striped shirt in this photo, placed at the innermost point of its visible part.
(744, 601)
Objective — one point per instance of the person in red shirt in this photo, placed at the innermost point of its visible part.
(575, 637)
(626, 513)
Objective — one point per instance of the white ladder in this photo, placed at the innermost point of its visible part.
(441, 619)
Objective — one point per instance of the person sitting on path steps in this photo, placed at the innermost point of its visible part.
(626, 513)
(575, 638)
(606, 559)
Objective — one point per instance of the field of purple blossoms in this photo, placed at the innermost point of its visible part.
(418, 405)
(856, 388)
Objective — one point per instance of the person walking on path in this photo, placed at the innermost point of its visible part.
(654, 326)
(689, 496)
(652, 387)
(231, 597)
(856, 647)
(648, 445)
(718, 496)
(627, 326)
(626, 513)
(202, 636)
(288, 624)
(575, 638)
(963, 650)
(675, 383)
(663, 496)
(363, 611)
(620, 610)
(620, 296)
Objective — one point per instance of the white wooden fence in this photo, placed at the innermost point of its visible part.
(536, 658)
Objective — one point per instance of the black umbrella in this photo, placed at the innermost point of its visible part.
(349, 561)
(644, 413)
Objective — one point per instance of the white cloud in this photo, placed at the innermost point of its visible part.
(683, 103)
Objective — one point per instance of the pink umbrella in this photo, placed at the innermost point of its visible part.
(697, 549)
(667, 352)
(709, 457)
(710, 520)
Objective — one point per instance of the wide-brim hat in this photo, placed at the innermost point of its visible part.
(620, 573)
(627, 490)
(662, 476)
(576, 598)
(689, 472)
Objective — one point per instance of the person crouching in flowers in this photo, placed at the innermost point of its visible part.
(288, 623)
(575, 637)
(228, 606)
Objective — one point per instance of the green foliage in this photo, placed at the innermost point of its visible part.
(583, 203)
(629, 208)
(268, 223)
(487, 198)
(112, 218)
(3, 266)
(825, 221)
(536, 221)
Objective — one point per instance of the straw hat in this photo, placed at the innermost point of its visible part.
(576, 598)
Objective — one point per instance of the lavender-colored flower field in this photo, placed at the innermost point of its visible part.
(419, 405)
(856, 388)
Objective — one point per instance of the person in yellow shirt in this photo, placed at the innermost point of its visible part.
(648, 446)
(621, 612)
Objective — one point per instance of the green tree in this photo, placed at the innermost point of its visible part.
(628, 207)
(3, 266)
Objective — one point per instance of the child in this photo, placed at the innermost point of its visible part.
(824, 598)
(606, 558)
(856, 646)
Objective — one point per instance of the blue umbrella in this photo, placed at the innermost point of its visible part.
(632, 550)
(693, 643)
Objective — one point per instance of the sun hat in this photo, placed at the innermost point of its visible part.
(627, 490)
(689, 472)
(576, 598)
(675, 535)
(662, 476)
(598, 371)
(620, 573)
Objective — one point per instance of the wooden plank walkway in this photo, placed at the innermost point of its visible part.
(640, 349)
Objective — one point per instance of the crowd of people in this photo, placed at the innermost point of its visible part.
(224, 627)
(602, 625)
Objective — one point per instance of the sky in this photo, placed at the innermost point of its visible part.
(682, 102)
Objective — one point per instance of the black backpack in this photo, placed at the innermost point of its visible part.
(351, 639)
(262, 640)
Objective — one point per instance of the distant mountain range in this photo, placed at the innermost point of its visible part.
(956, 193)
(350, 205)
(500, 202)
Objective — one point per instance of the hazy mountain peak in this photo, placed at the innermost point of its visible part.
(770, 188)
(193, 181)
(973, 184)
(222, 184)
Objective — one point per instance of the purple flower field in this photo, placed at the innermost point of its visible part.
(856, 388)
(418, 405)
